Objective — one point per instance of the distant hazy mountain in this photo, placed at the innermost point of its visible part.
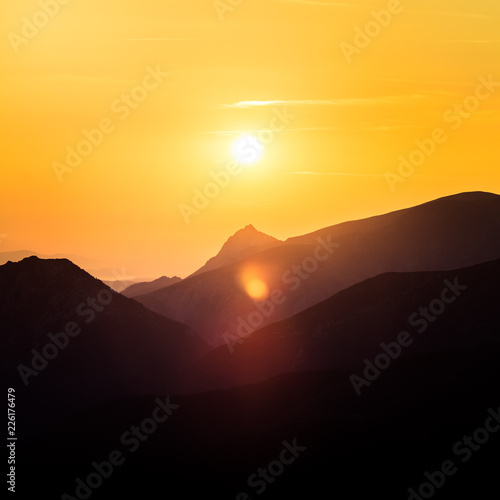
(149, 286)
(120, 285)
(121, 348)
(243, 243)
(213, 302)
(448, 233)
(349, 327)
(16, 256)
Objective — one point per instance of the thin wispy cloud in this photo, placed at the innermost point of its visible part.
(187, 39)
(284, 131)
(318, 2)
(67, 78)
(349, 101)
(340, 174)
(374, 128)
(418, 82)
(465, 15)
(386, 128)
(354, 174)
(470, 41)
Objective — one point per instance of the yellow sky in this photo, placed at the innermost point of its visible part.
(347, 105)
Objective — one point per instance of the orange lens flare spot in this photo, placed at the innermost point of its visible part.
(256, 289)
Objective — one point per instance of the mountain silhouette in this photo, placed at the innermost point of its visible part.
(349, 327)
(444, 234)
(149, 286)
(447, 233)
(429, 273)
(243, 243)
(121, 348)
(439, 390)
(101, 270)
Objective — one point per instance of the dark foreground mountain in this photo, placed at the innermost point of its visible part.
(68, 340)
(448, 233)
(106, 271)
(305, 433)
(349, 327)
(387, 388)
(310, 430)
(296, 436)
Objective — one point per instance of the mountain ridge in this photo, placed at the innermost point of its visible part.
(349, 327)
(68, 337)
(448, 233)
(243, 243)
(144, 287)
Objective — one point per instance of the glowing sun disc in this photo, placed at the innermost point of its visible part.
(247, 149)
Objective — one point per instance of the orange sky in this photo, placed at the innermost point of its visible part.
(350, 111)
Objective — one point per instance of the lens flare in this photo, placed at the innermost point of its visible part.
(254, 280)
(256, 289)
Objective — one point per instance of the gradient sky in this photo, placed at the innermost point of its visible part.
(230, 72)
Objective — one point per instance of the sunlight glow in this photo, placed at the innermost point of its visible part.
(247, 149)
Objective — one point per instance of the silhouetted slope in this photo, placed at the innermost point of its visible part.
(122, 348)
(448, 233)
(349, 327)
(212, 302)
(149, 286)
(101, 270)
(243, 243)
(379, 444)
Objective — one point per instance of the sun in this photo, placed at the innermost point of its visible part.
(247, 149)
